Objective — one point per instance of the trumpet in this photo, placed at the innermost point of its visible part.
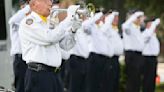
(54, 20)
(86, 11)
(79, 11)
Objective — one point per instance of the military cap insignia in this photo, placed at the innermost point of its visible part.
(29, 21)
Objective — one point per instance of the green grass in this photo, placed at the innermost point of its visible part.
(160, 88)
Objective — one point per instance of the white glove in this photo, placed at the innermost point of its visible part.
(139, 13)
(53, 22)
(115, 13)
(133, 18)
(157, 21)
(76, 25)
(109, 19)
(96, 17)
(71, 11)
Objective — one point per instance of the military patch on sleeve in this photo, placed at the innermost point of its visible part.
(29, 21)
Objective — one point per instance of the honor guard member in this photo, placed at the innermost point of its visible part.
(99, 68)
(65, 70)
(78, 62)
(111, 31)
(150, 53)
(133, 45)
(41, 47)
(66, 54)
(19, 66)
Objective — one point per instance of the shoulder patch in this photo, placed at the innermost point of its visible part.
(29, 21)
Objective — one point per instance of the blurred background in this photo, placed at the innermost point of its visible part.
(150, 7)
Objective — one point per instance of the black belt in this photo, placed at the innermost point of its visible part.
(101, 55)
(78, 57)
(18, 55)
(138, 52)
(42, 67)
(115, 56)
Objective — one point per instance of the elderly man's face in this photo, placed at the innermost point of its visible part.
(43, 7)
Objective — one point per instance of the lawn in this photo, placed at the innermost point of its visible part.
(160, 88)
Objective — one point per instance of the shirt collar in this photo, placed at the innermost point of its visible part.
(44, 19)
(37, 17)
(136, 26)
(114, 27)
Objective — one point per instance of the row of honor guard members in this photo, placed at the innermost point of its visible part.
(140, 71)
(94, 58)
(105, 46)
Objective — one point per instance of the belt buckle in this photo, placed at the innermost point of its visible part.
(57, 69)
(37, 69)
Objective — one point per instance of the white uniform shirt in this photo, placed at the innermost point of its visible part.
(65, 54)
(14, 27)
(98, 43)
(132, 37)
(81, 46)
(115, 40)
(113, 35)
(39, 43)
(152, 44)
(152, 47)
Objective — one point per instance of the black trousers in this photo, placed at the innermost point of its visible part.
(78, 74)
(100, 74)
(149, 73)
(134, 67)
(19, 67)
(116, 69)
(62, 73)
(43, 81)
(65, 73)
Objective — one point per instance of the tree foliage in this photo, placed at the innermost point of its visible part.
(151, 8)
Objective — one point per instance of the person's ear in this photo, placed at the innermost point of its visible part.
(31, 3)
